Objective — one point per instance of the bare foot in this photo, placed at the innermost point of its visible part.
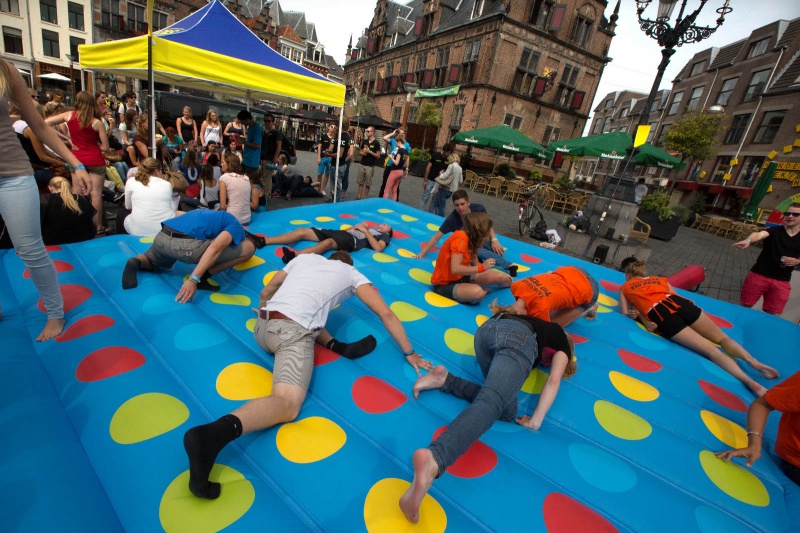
(591, 314)
(432, 380)
(52, 329)
(425, 471)
(757, 389)
(766, 371)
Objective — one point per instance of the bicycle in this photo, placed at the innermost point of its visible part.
(528, 210)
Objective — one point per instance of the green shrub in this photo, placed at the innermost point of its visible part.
(683, 213)
(504, 170)
(419, 154)
(658, 202)
(563, 182)
(536, 175)
(698, 204)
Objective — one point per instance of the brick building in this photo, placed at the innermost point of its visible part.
(534, 65)
(757, 82)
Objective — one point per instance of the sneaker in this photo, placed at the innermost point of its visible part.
(324, 193)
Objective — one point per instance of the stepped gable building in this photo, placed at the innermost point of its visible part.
(757, 82)
(533, 64)
(297, 39)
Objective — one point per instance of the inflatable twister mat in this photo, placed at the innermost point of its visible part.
(93, 422)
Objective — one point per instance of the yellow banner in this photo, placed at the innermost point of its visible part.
(150, 7)
(641, 135)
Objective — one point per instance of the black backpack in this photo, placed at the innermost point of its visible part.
(539, 231)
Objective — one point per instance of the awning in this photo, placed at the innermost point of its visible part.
(436, 93)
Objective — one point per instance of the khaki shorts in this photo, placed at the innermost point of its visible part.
(293, 347)
(165, 251)
(365, 175)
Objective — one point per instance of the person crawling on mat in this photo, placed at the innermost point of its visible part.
(352, 240)
(290, 320)
(654, 302)
(212, 240)
(507, 347)
(563, 296)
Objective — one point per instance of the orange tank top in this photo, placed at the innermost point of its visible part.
(644, 293)
(564, 288)
(457, 243)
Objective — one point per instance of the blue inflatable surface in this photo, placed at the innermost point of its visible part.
(93, 423)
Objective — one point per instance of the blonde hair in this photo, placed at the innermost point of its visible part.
(147, 167)
(143, 127)
(453, 158)
(5, 82)
(495, 308)
(64, 188)
(637, 269)
(477, 226)
(208, 116)
(87, 108)
(190, 159)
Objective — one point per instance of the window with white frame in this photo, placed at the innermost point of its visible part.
(9, 6)
(526, 72)
(737, 129)
(697, 68)
(477, 8)
(726, 90)
(758, 48)
(12, 40)
(50, 46)
(694, 99)
(512, 120)
(75, 14)
(49, 11)
(769, 127)
(676, 103)
(757, 85)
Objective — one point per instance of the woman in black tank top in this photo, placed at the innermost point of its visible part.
(187, 125)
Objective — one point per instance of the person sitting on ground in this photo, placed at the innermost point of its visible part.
(212, 240)
(210, 150)
(783, 397)
(206, 194)
(190, 167)
(563, 296)
(458, 275)
(148, 197)
(232, 149)
(257, 196)
(66, 217)
(291, 318)
(507, 347)
(352, 240)
(299, 187)
(234, 190)
(173, 142)
(654, 302)
(492, 249)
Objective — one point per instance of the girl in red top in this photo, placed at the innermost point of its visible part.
(658, 307)
(89, 141)
(457, 274)
(563, 296)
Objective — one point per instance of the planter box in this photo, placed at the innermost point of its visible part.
(663, 231)
(417, 168)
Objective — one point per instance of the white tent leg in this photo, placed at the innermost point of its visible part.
(338, 152)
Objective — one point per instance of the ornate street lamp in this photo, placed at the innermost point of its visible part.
(683, 31)
(71, 58)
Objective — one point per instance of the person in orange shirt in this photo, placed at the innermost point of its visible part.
(457, 274)
(783, 397)
(562, 296)
(660, 309)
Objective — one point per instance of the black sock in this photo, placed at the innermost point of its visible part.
(204, 285)
(353, 350)
(202, 445)
(129, 280)
(513, 270)
(288, 255)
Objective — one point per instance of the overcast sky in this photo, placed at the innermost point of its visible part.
(635, 56)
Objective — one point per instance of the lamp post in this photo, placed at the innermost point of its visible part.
(71, 60)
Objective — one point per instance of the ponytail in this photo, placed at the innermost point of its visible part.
(636, 269)
(63, 187)
(146, 168)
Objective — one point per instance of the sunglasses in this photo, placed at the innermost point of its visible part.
(791, 214)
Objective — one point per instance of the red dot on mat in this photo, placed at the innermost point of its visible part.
(434, 249)
(638, 362)
(719, 321)
(477, 461)
(562, 514)
(61, 266)
(375, 396)
(530, 259)
(74, 295)
(86, 326)
(323, 356)
(53, 248)
(609, 286)
(723, 397)
(108, 362)
(578, 339)
(346, 215)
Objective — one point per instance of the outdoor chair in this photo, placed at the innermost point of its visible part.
(724, 228)
(713, 225)
(575, 201)
(481, 182)
(469, 179)
(494, 185)
(548, 198)
(559, 202)
(514, 188)
(705, 222)
(640, 230)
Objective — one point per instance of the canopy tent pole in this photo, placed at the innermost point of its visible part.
(338, 151)
(151, 95)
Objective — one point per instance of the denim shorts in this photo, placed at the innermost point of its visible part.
(448, 289)
(165, 251)
(324, 165)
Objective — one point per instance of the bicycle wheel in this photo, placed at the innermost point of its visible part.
(526, 221)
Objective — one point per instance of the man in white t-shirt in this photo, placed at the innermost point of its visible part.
(640, 191)
(290, 320)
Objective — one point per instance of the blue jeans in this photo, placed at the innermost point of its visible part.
(505, 350)
(486, 252)
(426, 196)
(19, 206)
(341, 187)
(440, 202)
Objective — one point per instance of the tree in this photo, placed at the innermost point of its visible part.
(695, 135)
(362, 104)
(428, 114)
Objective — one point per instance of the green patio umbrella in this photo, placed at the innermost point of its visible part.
(760, 190)
(605, 145)
(649, 156)
(503, 138)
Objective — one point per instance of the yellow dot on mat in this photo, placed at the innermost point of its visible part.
(269, 275)
(230, 299)
(734, 480)
(381, 257)
(408, 218)
(146, 416)
(606, 300)
(633, 388)
(423, 276)
(299, 222)
(407, 312)
(310, 440)
(244, 381)
(726, 431)
(437, 300)
(383, 515)
(535, 381)
(250, 325)
(402, 252)
(384, 210)
(345, 227)
(460, 341)
(324, 219)
(603, 309)
(146, 240)
(620, 422)
(480, 319)
(432, 227)
(250, 263)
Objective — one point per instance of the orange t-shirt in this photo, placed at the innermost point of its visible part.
(564, 288)
(457, 243)
(785, 397)
(644, 293)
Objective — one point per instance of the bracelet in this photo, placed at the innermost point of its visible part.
(195, 279)
(754, 433)
(494, 238)
(410, 352)
(80, 167)
(748, 239)
(480, 268)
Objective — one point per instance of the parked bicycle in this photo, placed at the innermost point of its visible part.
(529, 211)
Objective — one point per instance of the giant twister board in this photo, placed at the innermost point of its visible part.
(93, 422)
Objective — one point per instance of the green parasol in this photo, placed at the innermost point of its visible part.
(503, 138)
(649, 156)
(760, 190)
(610, 145)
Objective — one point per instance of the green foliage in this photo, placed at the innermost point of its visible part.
(563, 182)
(658, 202)
(419, 154)
(428, 114)
(683, 213)
(535, 175)
(362, 104)
(698, 204)
(695, 135)
(504, 170)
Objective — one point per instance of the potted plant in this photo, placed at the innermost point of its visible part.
(418, 161)
(535, 175)
(656, 211)
(564, 184)
(503, 169)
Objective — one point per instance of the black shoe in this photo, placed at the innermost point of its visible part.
(288, 255)
(512, 270)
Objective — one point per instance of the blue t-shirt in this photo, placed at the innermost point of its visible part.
(204, 224)
(251, 157)
(453, 221)
(393, 151)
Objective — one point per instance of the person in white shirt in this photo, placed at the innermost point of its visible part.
(640, 191)
(291, 319)
(149, 199)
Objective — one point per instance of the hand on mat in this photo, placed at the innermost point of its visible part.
(418, 362)
(527, 422)
(187, 292)
(751, 452)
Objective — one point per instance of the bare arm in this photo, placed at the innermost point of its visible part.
(254, 196)
(271, 288)
(496, 246)
(427, 172)
(549, 392)
(203, 133)
(370, 297)
(374, 243)
(753, 237)
(100, 128)
(40, 150)
(277, 151)
(757, 415)
(223, 196)
(209, 257)
(430, 244)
